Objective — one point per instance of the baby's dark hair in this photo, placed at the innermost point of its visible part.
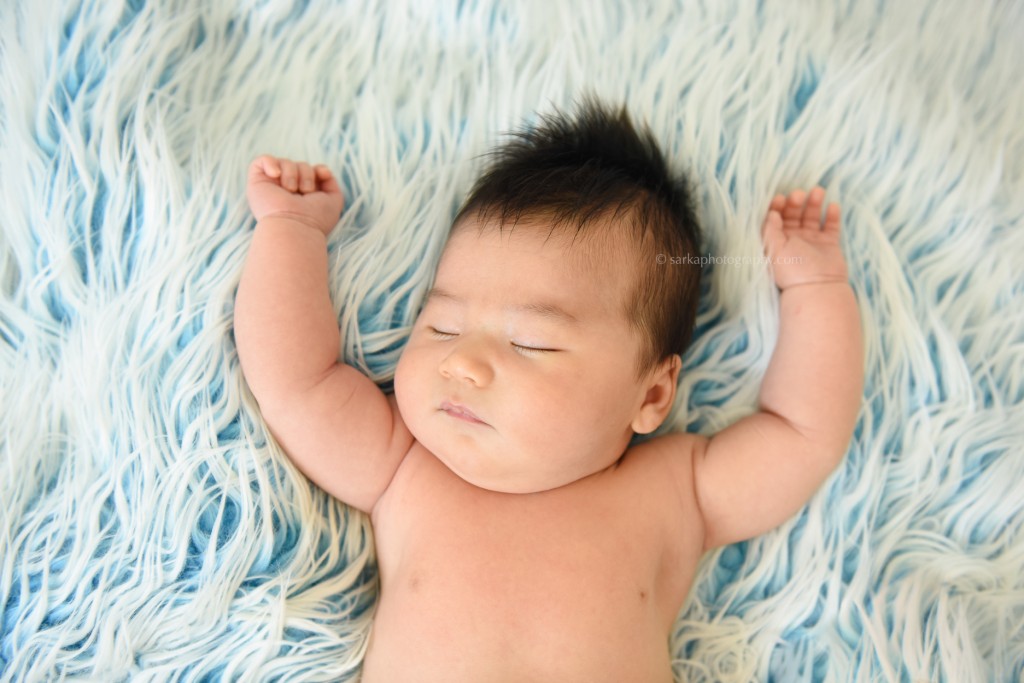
(576, 171)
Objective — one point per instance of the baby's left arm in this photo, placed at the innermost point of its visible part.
(755, 474)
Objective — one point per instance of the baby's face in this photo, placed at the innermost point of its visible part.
(520, 371)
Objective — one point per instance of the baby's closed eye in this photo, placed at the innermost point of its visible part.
(526, 349)
(442, 334)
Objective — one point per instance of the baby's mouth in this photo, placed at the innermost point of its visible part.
(460, 412)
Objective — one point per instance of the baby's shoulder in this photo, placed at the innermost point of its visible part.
(658, 474)
(665, 459)
(673, 446)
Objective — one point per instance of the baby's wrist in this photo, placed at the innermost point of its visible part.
(293, 221)
(823, 283)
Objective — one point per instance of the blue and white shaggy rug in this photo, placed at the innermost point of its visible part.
(149, 530)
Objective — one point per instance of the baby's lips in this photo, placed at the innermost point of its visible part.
(460, 411)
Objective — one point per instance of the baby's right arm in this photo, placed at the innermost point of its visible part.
(334, 423)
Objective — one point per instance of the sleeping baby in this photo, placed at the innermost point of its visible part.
(522, 532)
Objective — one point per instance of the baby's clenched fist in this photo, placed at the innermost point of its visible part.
(294, 190)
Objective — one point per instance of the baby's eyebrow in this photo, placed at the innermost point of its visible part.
(547, 310)
(544, 309)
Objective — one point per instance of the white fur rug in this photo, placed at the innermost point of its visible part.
(148, 530)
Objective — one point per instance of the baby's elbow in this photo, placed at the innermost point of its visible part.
(822, 455)
(828, 442)
(842, 438)
(830, 455)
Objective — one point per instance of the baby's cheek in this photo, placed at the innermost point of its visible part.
(544, 414)
(405, 381)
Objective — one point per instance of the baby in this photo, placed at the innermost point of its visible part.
(520, 533)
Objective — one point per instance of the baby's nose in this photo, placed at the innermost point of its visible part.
(468, 362)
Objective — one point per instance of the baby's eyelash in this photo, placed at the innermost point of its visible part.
(524, 350)
(530, 350)
(440, 334)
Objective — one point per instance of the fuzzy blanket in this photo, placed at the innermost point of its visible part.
(150, 530)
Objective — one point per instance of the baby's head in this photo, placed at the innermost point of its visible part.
(555, 326)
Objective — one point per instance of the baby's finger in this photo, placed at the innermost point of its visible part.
(307, 180)
(772, 233)
(794, 210)
(265, 165)
(832, 218)
(289, 175)
(812, 210)
(326, 179)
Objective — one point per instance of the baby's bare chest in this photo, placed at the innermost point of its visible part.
(540, 577)
(439, 534)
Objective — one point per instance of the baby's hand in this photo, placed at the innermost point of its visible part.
(801, 247)
(294, 190)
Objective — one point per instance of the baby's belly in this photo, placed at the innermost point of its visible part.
(479, 587)
(564, 633)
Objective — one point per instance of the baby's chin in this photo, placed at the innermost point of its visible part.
(491, 476)
(502, 485)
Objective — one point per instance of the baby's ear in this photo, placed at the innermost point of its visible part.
(661, 393)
